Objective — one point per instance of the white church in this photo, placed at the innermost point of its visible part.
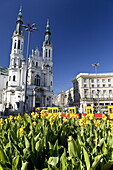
(40, 75)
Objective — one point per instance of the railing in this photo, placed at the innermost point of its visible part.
(95, 99)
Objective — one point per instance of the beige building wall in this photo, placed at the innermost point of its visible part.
(65, 98)
(88, 90)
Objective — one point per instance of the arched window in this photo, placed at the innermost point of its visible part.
(6, 84)
(14, 78)
(36, 64)
(15, 45)
(49, 53)
(37, 80)
(46, 52)
(18, 44)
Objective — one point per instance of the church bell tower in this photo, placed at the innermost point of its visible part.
(16, 56)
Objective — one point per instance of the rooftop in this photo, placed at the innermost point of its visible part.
(89, 75)
(3, 71)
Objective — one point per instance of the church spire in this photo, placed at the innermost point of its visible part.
(19, 22)
(47, 33)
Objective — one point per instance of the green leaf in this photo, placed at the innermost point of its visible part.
(86, 157)
(37, 146)
(56, 148)
(96, 161)
(24, 166)
(14, 137)
(53, 161)
(73, 148)
(32, 144)
(36, 137)
(27, 143)
(1, 168)
(63, 160)
(15, 162)
(3, 156)
(105, 149)
(101, 142)
(50, 146)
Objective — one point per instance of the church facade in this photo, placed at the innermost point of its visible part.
(40, 75)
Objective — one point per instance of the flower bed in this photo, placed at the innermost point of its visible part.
(54, 142)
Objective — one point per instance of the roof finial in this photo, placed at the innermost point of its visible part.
(21, 7)
(20, 13)
(19, 21)
(47, 33)
(48, 21)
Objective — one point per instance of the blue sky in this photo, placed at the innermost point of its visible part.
(81, 32)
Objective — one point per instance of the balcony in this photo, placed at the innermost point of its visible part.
(96, 99)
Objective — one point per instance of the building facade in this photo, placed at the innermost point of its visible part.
(3, 83)
(64, 99)
(91, 91)
(40, 75)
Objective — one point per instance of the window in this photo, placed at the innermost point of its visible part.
(92, 81)
(14, 78)
(92, 85)
(98, 92)
(85, 95)
(9, 78)
(98, 80)
(84, 85)
(18, 105)
(84, 80)
(104, 93)
(103, 80)
(85, 91)
(32, 62)
(15, 45)
(46, 52)
(51, 83)
(37, 80)
(110, 93)
(109, 85)
(98, 85)
(49, 53)
(109, 80)
(36, 64)
(93, 91)
(104, 85)
(18, 44)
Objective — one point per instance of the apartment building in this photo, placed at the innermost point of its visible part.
(89, 90)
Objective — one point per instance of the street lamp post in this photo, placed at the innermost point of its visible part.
(95, 65)
(30, 30)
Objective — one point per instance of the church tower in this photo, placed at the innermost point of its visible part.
(16, 56)
(47, 45)
(17, 68)
(47, 57)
